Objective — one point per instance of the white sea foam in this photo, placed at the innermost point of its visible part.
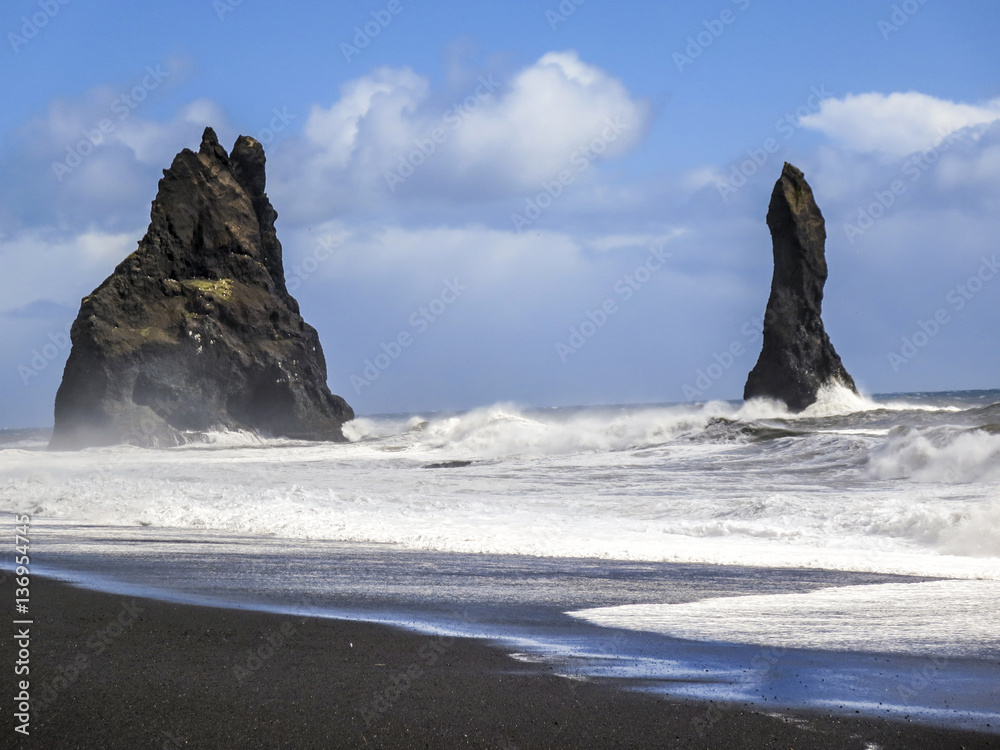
(832, 400)
(229, 439)
(713, 483)
(505, 431)
(938, 454)
(372, 429)
(940, 618)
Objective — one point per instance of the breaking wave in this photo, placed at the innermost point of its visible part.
(898, 485)
(947, 454)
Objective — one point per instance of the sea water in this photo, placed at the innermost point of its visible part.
(902, 485)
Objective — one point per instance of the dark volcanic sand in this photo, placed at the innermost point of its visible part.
(165, 677)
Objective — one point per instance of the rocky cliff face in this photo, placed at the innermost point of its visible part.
(797, 358)
(195, 330)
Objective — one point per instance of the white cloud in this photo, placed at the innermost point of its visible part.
(59, 266)
(105, 248)
(422, 255)
(976, 167)
(552, 109)
(699, 177)
(382, 103)
(611, 242)
(81, 164)
(896, 124)
(156, 142)
(493, 138)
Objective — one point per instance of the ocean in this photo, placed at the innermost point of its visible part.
(720, 550)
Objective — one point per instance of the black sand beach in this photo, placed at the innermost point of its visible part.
(116, 672)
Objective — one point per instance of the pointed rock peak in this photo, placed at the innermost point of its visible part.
(248, 143)
(791, 172)
(792, 186)
(247, 163)
(209, 141)
(210, 146)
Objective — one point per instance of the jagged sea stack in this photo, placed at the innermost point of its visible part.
(195, 330)
(797, 358)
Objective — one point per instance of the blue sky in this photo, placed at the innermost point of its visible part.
(404, 165)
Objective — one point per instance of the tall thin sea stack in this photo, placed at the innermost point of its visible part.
(195, 330)
(797, 358)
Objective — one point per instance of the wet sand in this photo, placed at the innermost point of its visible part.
(109, 671)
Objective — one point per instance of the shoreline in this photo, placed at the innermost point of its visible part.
(127, 672)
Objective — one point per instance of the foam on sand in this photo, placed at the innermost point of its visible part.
(940, 618)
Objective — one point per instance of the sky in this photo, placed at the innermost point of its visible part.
(558, 203)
